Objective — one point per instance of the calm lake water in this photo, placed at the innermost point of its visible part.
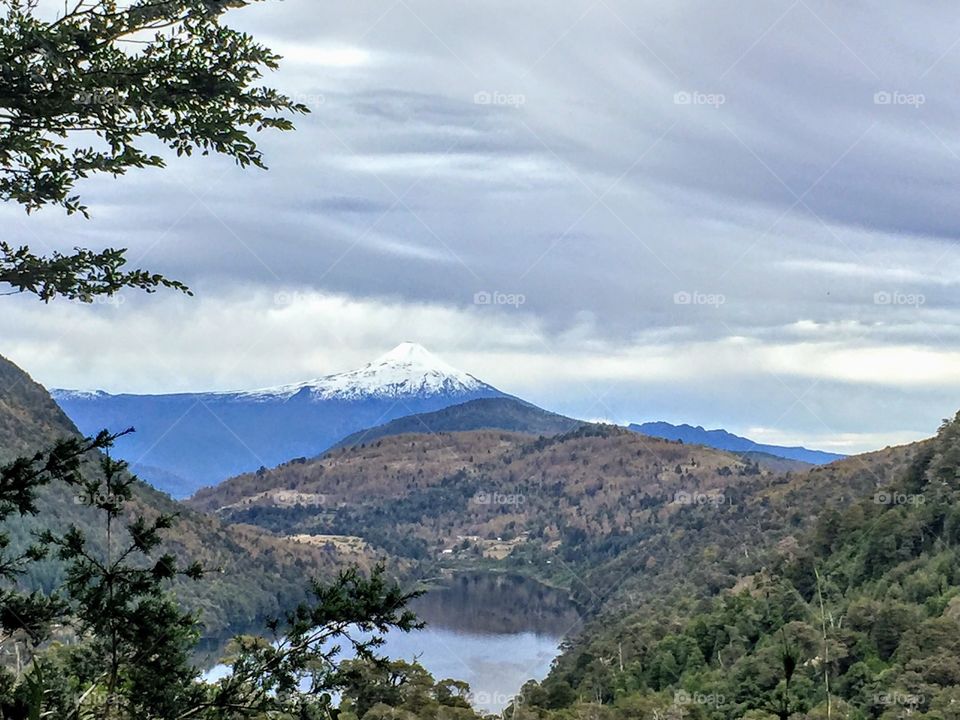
(494, 631)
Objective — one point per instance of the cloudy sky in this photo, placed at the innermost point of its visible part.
(731, 214)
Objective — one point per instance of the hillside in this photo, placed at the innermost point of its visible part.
(251, 573)
(26, 413)
(560, 508)
(776, 464)
(504, 413)
(865, 602)
(723, 440)
(194, 439)
(575, 478)
(691, 566)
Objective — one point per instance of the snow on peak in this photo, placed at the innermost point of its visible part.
(61, 394)
(409, 352)
(407, 370)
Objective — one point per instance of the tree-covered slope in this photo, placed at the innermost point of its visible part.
(856, 617)
(697, 570)
(505, 413)
(596, 501)
(252, 573)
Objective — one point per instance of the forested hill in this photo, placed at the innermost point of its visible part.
(251, 572)
(29, 418)
(505, 413)
(700, 574)
(587, 509)
(589, 491)
(854, 616)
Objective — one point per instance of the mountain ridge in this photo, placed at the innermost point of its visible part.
(203, 438)
(506, 413)
(407, 369)
(252, 573)
(725, 440)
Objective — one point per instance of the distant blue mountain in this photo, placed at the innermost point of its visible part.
(723, 440)
(187, 441)
(500, 413)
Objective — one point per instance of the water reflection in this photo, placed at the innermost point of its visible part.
(494, 631)
(496, 604)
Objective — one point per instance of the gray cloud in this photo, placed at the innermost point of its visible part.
(799, 160)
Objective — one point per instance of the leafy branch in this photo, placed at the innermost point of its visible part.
(79, 93)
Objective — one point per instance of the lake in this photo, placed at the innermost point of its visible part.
(494, 631)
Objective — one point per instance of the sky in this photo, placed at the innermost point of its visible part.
(739, 215)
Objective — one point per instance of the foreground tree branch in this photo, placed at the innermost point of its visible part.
(81, 92)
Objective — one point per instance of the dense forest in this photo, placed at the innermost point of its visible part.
(825, 593)
(858, 619)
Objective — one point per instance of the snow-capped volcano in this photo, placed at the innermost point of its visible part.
(409, 370)
(202, 438)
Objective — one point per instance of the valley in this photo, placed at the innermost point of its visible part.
(512, 517)
(185, 442)
(473, 361)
